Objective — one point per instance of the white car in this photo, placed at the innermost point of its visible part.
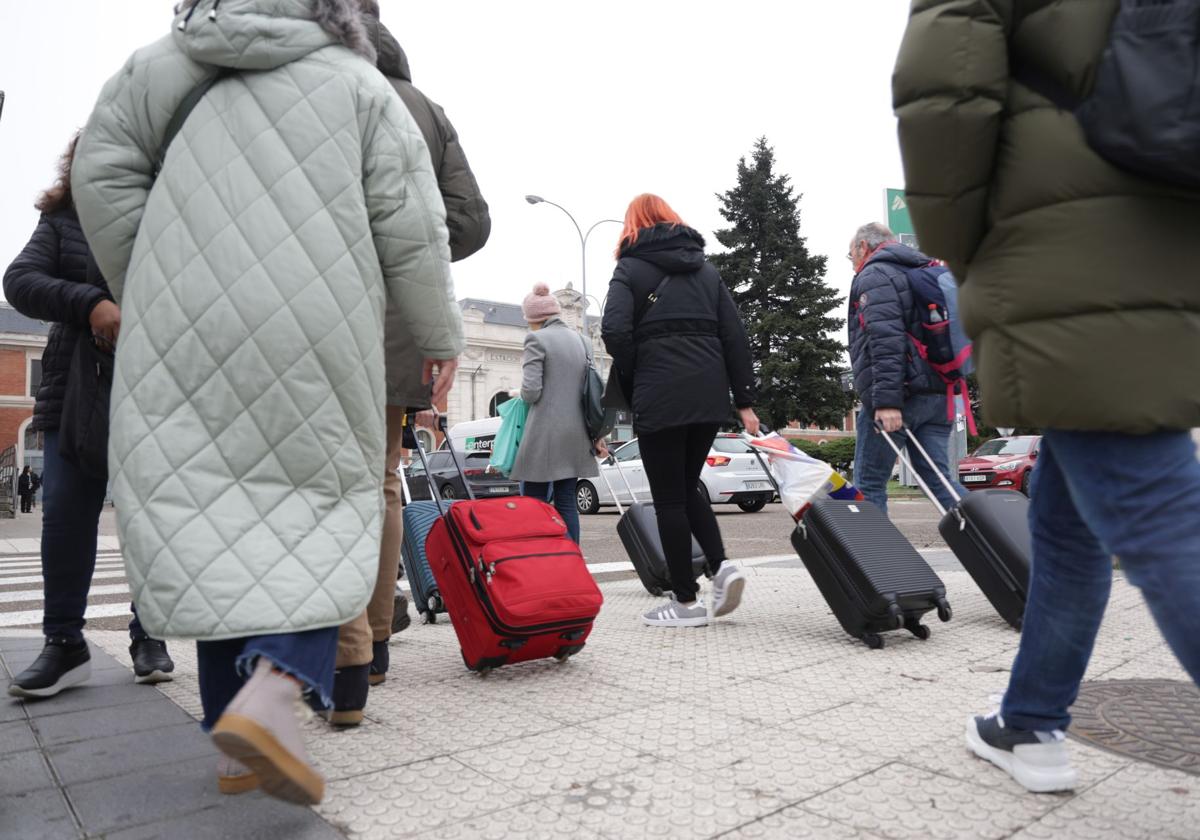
(732, 476)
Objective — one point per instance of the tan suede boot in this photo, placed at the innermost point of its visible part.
(259, 729)
(233, 777)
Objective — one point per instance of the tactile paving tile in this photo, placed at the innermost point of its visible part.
(903, 802)
(1166, 802)
(532, 821)
(553, 762)
(1071, 822)
(458, 720)
(769, 703)
(789, 764)
(676, 726)
(356, 751)
(795, 823)
(414, 799)
(658, 800)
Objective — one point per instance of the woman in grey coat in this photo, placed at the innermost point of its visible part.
(555, 451)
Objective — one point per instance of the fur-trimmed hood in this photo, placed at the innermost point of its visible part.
(264, 34)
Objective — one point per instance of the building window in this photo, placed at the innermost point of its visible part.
(35, 376)
(497, 401)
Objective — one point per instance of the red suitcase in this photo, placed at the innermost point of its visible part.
(515, 586)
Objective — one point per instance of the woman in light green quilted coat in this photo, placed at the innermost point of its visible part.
(247, 449)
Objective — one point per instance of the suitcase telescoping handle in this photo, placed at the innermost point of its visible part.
(433, 491)
(924, 487)
(616, 463)
(611, 491)
(763, 431)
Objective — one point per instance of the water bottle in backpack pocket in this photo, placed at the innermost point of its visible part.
(939, 339)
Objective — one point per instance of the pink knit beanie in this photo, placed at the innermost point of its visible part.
(540, 305)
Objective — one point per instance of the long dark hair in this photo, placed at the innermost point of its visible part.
(58, 197)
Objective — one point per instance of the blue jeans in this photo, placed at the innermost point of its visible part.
(874, 460)
(561, 494)
(225, 666)
(72, 501)
(1096, 495)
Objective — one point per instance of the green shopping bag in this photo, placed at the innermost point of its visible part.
(512, 425)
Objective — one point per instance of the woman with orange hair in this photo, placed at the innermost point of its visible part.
(679, 348)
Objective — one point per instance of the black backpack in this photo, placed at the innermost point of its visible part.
(1142, 115)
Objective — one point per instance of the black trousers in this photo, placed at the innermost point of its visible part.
(673, 459)
(26, 502)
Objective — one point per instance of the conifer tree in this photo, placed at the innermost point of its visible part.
(781, 293)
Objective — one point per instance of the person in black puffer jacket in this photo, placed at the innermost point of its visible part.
(679, 348)
(55, 279)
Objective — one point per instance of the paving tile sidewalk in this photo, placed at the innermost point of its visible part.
(771, 723)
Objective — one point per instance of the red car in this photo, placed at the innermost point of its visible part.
(1001, 463)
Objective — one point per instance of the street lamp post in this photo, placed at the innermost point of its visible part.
(583, 239)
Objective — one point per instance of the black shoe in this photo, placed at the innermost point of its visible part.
(400, 619)
(380, 660)
(151, 663)
(61, 664)
(350, 687)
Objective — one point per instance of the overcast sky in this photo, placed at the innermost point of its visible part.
(586, 104)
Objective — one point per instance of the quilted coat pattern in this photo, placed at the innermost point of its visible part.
(1079, 278)
(297, 202)
(49, 280)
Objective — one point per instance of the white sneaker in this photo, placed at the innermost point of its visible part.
(675, 614)
(727, 586)
(1038, 761)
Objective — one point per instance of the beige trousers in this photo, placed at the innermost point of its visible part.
(375, 625)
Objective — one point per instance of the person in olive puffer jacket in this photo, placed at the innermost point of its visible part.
(362, 657)
(1079, 288)
(680, 351)
(55, 279)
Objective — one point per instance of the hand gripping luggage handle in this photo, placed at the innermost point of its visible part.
(762, 432)
(611, 491)
(904, 459)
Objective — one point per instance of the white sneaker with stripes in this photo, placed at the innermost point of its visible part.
(675, 614)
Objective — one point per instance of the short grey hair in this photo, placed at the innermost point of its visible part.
(874, 234)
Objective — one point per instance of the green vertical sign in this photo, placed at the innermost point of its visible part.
(898, 218)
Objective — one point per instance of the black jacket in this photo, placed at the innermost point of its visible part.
(467, 216)
(689, 348)
(25, 484)
(50, 280)
(882, 315)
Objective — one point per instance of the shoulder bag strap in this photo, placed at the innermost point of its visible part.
(652, 299)
(183, 112)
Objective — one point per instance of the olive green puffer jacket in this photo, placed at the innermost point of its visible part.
(1080, 281)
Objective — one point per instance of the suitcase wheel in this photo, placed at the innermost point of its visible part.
(896, 616)
(655, 591)
(918, 629)
(429, 616)
(944, 611)
(872, 640)
(567, 651)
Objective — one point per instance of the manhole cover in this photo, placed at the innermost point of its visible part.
(1151, 720)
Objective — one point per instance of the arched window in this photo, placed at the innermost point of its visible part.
(497, 401)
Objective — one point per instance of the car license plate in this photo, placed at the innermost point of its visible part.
(974, 479)
(499, 490)
(758, 485)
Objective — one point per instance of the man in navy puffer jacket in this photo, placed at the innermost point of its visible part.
(896, 386)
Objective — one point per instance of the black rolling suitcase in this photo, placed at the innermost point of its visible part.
(638, 530)
(988, 531)
(869, 573)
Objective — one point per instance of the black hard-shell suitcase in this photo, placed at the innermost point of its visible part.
(988, 531)
(638, 530)
(869, 574)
